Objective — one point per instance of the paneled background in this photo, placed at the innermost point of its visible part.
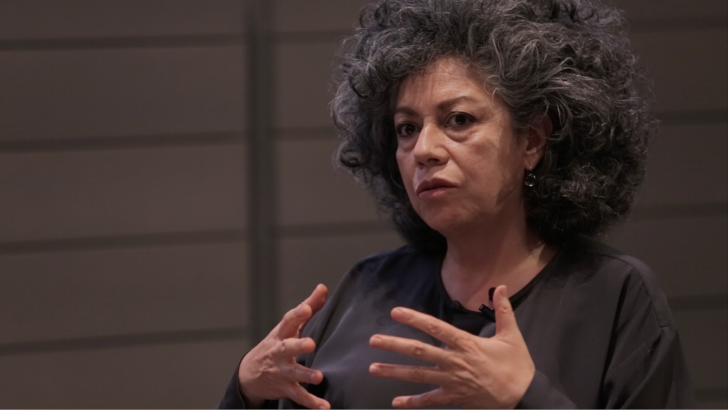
(123, 187)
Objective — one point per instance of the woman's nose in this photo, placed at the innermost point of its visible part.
(429, 149)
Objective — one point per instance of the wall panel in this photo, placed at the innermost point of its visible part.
(311, 191)
(88, 93)
(679, 62)
(22, 19)
(70, 295)
(190, 375)
(687, 254)
(315, 16)
(672, 11)
(121, 192)
(679, 154)
(303, 93)
(704, 335)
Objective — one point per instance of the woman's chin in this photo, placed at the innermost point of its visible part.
(445, 223)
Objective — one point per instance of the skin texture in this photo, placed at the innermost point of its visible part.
(473, 372)
(269, 371)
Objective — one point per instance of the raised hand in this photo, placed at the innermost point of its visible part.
(270, 372)
(472, 372)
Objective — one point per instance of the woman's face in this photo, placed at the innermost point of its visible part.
(460, 160)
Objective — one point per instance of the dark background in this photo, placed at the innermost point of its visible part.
(125, 194)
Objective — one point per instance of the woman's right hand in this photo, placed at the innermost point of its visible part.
(270, 372)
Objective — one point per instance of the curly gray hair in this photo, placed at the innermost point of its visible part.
(570, 59)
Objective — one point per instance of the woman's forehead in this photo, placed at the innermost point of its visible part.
(445, 79)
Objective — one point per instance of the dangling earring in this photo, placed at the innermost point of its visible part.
(530, 179)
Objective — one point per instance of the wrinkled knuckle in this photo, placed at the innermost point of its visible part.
(416, 374)
(467, 343)
(418, 350)
(288, 317)
(434, 328)
(282, 348)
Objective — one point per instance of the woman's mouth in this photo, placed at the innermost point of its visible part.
(434, 188)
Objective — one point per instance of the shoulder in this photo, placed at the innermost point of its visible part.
(627, 277)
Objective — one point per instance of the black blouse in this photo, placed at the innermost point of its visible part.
(596, 324)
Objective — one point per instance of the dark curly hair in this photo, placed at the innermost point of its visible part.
(570, 59)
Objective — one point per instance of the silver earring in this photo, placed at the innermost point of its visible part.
(530, 179)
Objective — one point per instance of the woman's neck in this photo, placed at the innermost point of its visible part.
(500, 252)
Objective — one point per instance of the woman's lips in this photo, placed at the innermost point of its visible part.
(433, 188)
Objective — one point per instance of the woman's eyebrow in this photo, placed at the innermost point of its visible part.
(448, 104)
(442, 106)
(405, 110)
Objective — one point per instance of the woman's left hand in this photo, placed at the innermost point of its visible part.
(472, 372)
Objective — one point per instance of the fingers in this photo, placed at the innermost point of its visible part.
(416, 374)
(434, 398)
(505, 319)
(301, 396)
(302, 374)
(409, 347)
(317, 298)
(293, 320)
(292, 347)
(444, 332)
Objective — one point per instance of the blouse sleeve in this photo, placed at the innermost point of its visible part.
(233, 398)
(542, 395)
(653, 376)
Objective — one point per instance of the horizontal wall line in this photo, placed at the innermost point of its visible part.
(334, 229)
(692, 117)
(638, 25)
(677, 211)
(706, 302)
(314, 36)
(125, 341)
(124, 242)
(122, 142)
(306, 133)
(296, 37)
(96, 43)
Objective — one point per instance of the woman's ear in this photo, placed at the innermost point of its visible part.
(537, 138)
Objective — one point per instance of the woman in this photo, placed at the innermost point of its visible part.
(500, 136)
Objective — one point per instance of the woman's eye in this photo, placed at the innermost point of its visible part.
(459, 120)
(406, 129)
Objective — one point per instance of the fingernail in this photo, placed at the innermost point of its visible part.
(375, 340)
(374, 369)
(312, 377)
(397, 312)
(396, 403)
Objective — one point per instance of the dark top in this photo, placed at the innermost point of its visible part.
(595, 321)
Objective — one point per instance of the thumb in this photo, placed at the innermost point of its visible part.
(505, 319)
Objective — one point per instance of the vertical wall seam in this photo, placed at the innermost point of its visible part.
(261, 167)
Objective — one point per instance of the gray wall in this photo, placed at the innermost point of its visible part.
(123, 269)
